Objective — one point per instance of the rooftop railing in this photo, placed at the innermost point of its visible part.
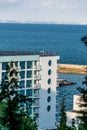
(15, 53)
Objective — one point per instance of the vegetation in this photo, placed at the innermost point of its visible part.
(13, 103)
(63, 118)
(83, 104)
(62, 125)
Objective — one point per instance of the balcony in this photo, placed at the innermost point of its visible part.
(37, 77)
(37, 86)
(36, 111)
(37, 67)
(36, 104)
(36, 95)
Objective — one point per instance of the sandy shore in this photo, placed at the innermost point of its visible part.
(74, 69)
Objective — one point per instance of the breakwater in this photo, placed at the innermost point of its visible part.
(73, 69)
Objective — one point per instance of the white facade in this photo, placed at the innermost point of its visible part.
(38, 74)
(48, 82)
(74, 113)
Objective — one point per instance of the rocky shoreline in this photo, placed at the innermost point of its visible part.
(63, 82)
(73, 69)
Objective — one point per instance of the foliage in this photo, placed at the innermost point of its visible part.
(62, 116)
(12, 115)
(70, 128)
(81, 127)
(83, 104)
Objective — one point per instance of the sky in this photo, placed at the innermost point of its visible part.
(54, 11)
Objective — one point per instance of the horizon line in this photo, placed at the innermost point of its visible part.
(38, 22)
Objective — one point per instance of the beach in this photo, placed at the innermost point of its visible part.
(71, 68)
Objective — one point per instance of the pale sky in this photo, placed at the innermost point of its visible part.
(61, 11)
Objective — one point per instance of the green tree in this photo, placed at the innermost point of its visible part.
(83, 104)
(12, 115)
(62, 116)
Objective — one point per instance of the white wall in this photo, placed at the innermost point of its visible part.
(47, 118)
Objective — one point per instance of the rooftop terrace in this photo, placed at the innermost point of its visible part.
(15, 53)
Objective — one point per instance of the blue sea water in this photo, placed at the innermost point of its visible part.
(64, 39)
(68, 91)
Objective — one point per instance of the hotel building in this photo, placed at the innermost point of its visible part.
(37, 79)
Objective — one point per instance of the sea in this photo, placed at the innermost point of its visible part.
(65, 40)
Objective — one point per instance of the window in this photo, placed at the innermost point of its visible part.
(49, 81)
(48, 108)
(22, 74)
(29, 74)
(22, 64)
(29, 83)
(22, 84)
(49, 72)
(49, 62)
(3, 75)
(29, 110)
(16, 64)
(49, 90)
(4, 64)
(29, 64)
(49, 99)
(21, 92)
(29, 92)
(22, 104)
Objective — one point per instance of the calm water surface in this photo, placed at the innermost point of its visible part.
(64, 39)
(69, 90)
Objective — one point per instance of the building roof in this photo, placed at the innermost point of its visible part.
(15, 53)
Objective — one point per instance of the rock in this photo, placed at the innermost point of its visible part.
(65, 82)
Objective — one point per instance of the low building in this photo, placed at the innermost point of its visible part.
(37, 79)
(73, 115)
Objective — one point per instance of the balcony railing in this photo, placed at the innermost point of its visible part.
(37, 67)
(37, 86)
(36, 111)
(36, 95)
(36, 104)
(37, 77)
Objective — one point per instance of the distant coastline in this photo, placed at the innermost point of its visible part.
(73, 69)
(37, 22)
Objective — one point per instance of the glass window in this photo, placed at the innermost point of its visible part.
(22, 84)
(22, 104)
(49, 90)
(22, 74)
(36, 91)
(21, 92)
(35, 63)
(49, 62)
(4, 65)
(29, 74)
(29, 83)
(29, 92)
(3, 75)
(22, 64)
(49, 81)
(16, 64)
(29, 64)
(29, 110)
(49, 72)
(48, 108)
(49, 99)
